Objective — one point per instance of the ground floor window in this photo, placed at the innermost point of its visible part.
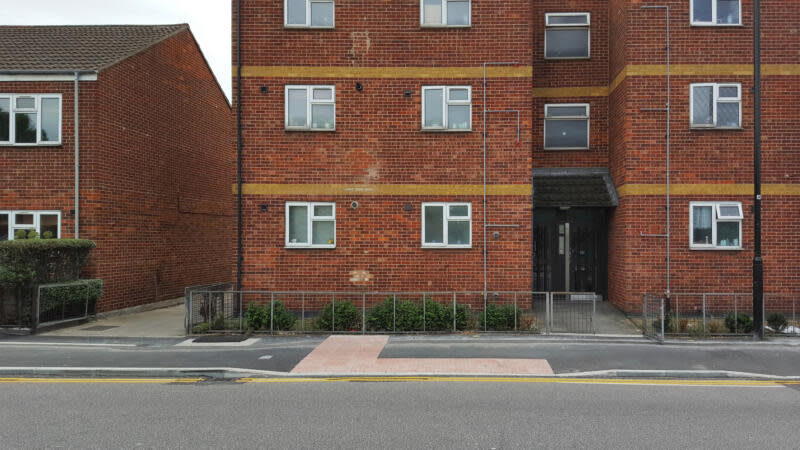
(447, 225)
(27, 224)
(715, 225)
(310, 225)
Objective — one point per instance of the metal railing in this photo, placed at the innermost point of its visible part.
(388, 312)
(653, 317)
(63, 310)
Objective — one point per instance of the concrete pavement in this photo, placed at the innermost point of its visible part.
(156, 323)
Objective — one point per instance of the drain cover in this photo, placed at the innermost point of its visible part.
(99, 328)
(219, 339)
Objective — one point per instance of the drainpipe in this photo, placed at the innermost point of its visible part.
(77, 160)
(758, 264)
(239, 230)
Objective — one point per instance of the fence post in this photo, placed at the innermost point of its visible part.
(594, 311)
(662, 320)
(191, 313)
(485, 325)
(735, 313)
(363, 313)
(394, 313)
(515, 311)
(704, 313)
(241, 311)
(303, 312)
(333, 313)
(271, 311)
(455, 329)
(644, 314)
(547, 313)
(424, 318)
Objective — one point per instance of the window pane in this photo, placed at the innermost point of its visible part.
(4, 227)
(434, 115)
(26, 103)
(703, 105)
(322, 117)
(566, 134)
(23, 219)
(727, 114)
(566, 111)
(459, 95)
(729, 210)
(432, 12)
(728, 234)
(459, 211)
(322, 94)
(48, 226)
(50, 119)
(458, 117)
(298, 224)
(567, 43)
(323, 211)
(458, 13)
(5, 109)
(25, 128)
(322, 14)
(297, 107)
(568, 20)
(434, 224)
(729, 91)
(296, 14)
(702, 10)
(458, 233)
(701, 226)
(727, 11)
(322, 232)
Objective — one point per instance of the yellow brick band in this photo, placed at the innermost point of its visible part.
(584, 91)
(707, 189)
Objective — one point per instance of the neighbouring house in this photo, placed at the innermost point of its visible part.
(402, 143)
(141, 163)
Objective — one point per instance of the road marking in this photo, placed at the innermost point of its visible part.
(101, 380)
(192, 343)
(66, 344)
(629, 382)
(266, 357)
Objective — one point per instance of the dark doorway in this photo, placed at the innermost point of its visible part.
(571, 250)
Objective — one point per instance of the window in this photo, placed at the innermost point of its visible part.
(445, 13)
(46, 223)
(27, 119)
(308, 13)
(716, 12)
(566, 36)
(447, 225)
(716, 105)
(715, 225)
(311, 108)
(566, 126)
(447, 108)
(310, 225)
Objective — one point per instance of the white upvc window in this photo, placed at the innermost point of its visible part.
(308, 13)
(310, 225)
(445, 13)
(715, 225)
(310, 107)
(566, 126)
(716, 12)
(567, 36)
(47, 224)
(447, 225)
(30, 119)
(447, 108)
(716, 105)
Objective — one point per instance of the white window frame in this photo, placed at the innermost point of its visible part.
(715, 219)
(13, 227)
(713, 22)
(587, 118)
(445, 103)
(286, 23)
(587, 26)
(715, 102)
(309, 102)
(445, 220)
(311, 219)
(444, 23)
(12, 102)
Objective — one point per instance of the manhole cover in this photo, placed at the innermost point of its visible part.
(219, 339)
(99, 328)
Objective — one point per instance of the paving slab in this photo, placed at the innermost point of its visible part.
(163, 322)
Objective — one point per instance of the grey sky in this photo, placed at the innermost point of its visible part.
(210, 21)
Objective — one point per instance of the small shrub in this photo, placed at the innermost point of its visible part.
(70, 294)
(258, 317)
(739, 323)
(668, 324)
(201, 328)
(51, 260)
(715, 326)
(47, 235)
(499, 317)
(777, 322)
(409, 316)
(347, 317)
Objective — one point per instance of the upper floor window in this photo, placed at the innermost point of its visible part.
(716, 12)
(27, 119)
(716, 105)
(22, 224)
(310, 225)
(566, 126)
(447, 225)
(308, 13)
(715, 225)
(447, 108)
(566, 35)
(445, 13)
(310, 108)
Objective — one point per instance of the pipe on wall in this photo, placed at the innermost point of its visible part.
(239, 228)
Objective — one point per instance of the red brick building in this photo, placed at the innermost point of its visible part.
(403, 139)
(154, 145)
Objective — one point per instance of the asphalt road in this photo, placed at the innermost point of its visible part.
(482, 415)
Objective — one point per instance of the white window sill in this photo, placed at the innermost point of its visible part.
(444, 247)
(716, 248)
(443, 26)
(566, 58)
(567, 149)
(306, 27)
(309, 247)
(44, 144)
(446, 130)
(713, 128)
(713, 25)
(310, 129)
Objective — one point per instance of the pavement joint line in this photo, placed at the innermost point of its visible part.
(64, 344)
(46, 380)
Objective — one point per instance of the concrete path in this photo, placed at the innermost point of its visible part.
(157, 323)
(610, 320)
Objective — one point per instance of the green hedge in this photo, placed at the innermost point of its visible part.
(500, 317)
(347, 317)
(76, 292)
(258, 317)
(41, 261)
(409, 316)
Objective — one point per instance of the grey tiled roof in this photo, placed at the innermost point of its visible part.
(90, 47)
(574, 187)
